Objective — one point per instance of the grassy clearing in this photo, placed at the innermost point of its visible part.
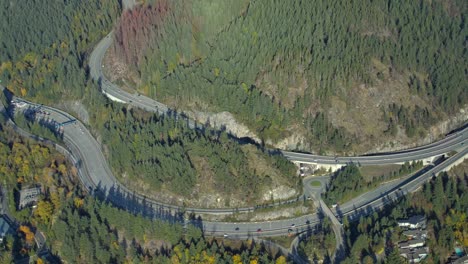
(372, 171)
(315, 183)
(284, 241)
(352, 181)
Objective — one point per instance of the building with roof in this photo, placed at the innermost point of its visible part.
(455, 259)
(414, 243)
(415, 234)
(414, 255)
(2, 197)
(416, 221)
(4, 228)
(29, 196)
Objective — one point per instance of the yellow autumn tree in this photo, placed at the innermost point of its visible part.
(55, 199)
(44, 211)
(62, 169)
(29, 236)
(281, 260)
(78, 202)
(237, 259)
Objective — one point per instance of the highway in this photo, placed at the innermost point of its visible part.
(97, 173)
(449, 143)
(97, 177)
(339, 253)
(94, 171)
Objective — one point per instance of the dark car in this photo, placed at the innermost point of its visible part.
(259, 230)
(237, 229)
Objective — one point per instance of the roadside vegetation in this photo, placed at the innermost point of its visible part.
(349, 182)
(40, 128)
(158, 154)
(44, 51)
(444, 202)
(50, 68)
(296, 67)
(83, 229)
(320, 245)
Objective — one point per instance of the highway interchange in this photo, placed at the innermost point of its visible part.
(95, 173)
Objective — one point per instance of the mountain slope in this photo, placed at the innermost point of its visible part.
(328, 72)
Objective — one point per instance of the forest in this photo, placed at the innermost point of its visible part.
(348, 182)
(320, 246)
(276, 65)
(44, 45)
(83, 229)
(444, 202)
(165, 154)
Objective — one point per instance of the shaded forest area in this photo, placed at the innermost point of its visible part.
(276, 64)
(44, 45)
(444, 202)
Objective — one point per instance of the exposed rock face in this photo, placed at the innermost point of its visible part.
(279, 193)
(295, 141)
(225, 120)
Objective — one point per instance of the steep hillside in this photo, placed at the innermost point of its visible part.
(322, 75)
(43, 45)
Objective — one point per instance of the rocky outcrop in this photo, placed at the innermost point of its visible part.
(225, 121)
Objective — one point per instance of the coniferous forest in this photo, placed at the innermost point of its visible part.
(44, 45)
(277, 64)
(165, 154)
(83, 229)
(345, 76)
(45, 60)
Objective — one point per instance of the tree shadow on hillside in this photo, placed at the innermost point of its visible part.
(138, 204)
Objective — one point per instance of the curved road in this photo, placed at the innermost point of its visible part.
(451, 142)
(95, 173)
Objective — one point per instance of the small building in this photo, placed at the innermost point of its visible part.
(4, 228)
(415, 234)
(455, 259)
(2, 196)
(29, 196)
(416, 221)
(415, 243)
(414, 255)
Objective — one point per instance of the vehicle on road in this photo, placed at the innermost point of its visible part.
(259, 230)
(237, 229)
